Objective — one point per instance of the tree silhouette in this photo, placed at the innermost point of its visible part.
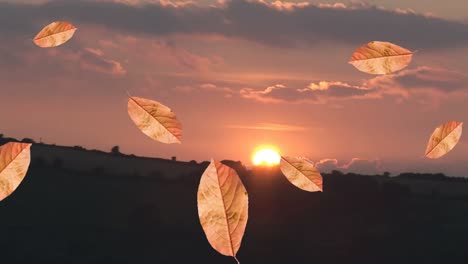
(28, 140)
(115, 150)
(78, 148)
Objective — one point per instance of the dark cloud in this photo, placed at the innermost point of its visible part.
(94, 60)
(427, 86)
(271, 24)
(423, 78)
(432, 83)
(9, 58)
(26, 63)
(69, 60)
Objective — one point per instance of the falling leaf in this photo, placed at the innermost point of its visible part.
(302, 173)
(54, 34)
(155, 120)
(381, 58)
(14, 163)
(222, 208)
(443, 139)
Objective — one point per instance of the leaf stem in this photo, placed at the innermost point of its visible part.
(128, 93)
(236, 259)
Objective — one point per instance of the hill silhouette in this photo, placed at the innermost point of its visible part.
(87, 206)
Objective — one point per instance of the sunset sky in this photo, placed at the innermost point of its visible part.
(232, 72)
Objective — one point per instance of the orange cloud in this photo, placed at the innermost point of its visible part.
(335, 5)
(284, 5)
(320, 93)
(208, 87)
(355, 165)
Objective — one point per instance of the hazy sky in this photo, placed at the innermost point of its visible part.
(231, 72)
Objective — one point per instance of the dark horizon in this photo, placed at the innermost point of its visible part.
(4, 140)
(93, 215)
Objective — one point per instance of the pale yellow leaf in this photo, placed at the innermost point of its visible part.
(443, 139)
(302, 173)
(155, 120)
(14, 163)
(379, 57)
(54, 34)
(222, 208)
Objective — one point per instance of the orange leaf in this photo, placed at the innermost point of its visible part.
(155, 120)
(443, 139)
(381, 58)
(14, 163)
(54, 34)
(222, 208)
(302, 173)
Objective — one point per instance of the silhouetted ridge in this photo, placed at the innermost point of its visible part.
(88, 206)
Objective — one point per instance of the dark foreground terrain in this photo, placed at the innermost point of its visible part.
(62, 215)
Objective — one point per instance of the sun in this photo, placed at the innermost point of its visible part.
(266, 156)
